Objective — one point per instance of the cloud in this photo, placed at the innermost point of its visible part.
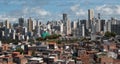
(109, 9)
(77, 10)
(24, 2)
(42, 12)
(118, 9)
(36, 11)
(9, 18)
(80, 12)
(17, 2)
(39, 8)
(75, 7)
(44, 9)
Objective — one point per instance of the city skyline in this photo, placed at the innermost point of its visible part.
(45, 10)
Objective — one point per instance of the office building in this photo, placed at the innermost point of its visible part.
(99, 16)
(108, 25)
(68, 27)
(90, 18)
(74, 25)
(98, 25)
(61, 28)
(7, 24)
(21, 22)
(1, 24)
(65, 17)
(30, 25)
(102, 24)
(84, 21)
(115, 28)
(83, 30)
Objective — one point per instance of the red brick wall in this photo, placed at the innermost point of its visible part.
(106, 60)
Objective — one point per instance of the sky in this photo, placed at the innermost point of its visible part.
(47, 10)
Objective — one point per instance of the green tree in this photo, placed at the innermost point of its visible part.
(113, 34)
(54, 36)
(59, 41)
(19, 50)
(33, 53)
(40, 39)
(109, 34)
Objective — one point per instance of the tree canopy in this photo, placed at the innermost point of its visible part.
(109, 34)
(54, 36)
(19, 50)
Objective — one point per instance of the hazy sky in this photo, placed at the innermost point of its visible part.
(53, 9)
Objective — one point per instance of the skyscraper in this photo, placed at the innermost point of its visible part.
(68, 27)
(65, 17)
(98, 15)
(83, 30)
(90, 14)
(90, 18)
(30, 25)
(21, 22)
(67, 24)
(102, 24)
(7, 24)
(1, 24)
(108, 25)
(61, 28)
(98, 23)
(74, 25)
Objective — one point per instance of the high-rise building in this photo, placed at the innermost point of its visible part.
(1, 24)
(102, 24)
(68, 27)
(93, 29)
(61, 28)
(49, 26)
(37, 28)
(113, 25)
(24, 31)
(67, 24)
(13, 35)
(105, 27)
(98, 15)
(7, 24)
(90, 18)
(21, 22)
(34, 24)
(74, 25)
(113, 20)
(65, 17)
(0, 44)
(115, 28)
(83, 22)
(83, 30)
(90, 14)
(30, 25)
(98, 25)
(108, 25)
(3, 33)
